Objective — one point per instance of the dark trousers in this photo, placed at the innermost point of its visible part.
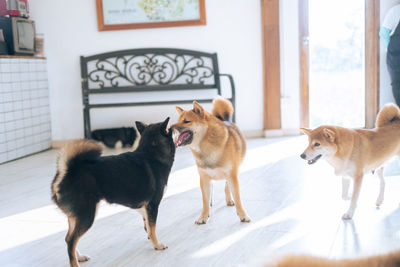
(395, 82)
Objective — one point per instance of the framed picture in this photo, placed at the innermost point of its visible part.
(138, 14)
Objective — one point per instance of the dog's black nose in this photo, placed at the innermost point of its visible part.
(303, 156)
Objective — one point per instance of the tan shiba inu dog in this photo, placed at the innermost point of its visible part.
(387, 260)
(354, 153)
(218, 147)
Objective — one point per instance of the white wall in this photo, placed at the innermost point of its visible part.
(233, 30)
(385, 93)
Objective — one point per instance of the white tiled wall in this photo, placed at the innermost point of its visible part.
(24, 108)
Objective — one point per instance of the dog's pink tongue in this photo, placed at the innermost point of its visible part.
(182, 137)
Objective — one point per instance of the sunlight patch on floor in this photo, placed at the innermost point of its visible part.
(294, 234)
(182, 180)
(224, 243)
(38, 223)
(274, 152)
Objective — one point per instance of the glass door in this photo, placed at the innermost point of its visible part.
(336, 62)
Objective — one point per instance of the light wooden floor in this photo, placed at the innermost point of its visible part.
(294, 208)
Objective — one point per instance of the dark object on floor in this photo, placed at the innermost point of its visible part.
(134, 179)
(110, 137)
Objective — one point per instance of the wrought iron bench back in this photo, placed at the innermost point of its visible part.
(148, 70)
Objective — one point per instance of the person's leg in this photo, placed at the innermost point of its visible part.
(396, 87)
(395, 80)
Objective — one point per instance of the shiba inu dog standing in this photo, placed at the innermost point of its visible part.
(218, 147)
(134, 179)
(354, 153)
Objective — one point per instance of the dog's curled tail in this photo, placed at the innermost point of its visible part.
(222, 108)
(388, 114)
(77, 150)
(73, 152)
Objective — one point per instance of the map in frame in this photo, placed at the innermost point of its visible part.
(120, 14)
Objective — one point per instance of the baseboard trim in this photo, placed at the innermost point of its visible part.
(281, 132)
(253, 133)
(59, 143)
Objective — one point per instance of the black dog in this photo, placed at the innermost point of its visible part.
(110, 137)
(133, 179)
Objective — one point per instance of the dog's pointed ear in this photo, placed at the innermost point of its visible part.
(140, 126)
(306, 131)
(179, 109)
(164, 126)
(198, 109)
(329, 135)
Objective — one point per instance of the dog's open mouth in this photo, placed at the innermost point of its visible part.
(184, 138)
(312, 161)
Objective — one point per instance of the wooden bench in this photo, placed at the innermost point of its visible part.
(150, 70)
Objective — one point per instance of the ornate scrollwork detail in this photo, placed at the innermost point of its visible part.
(151, 69)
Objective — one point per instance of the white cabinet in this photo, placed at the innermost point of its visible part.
(24, 107)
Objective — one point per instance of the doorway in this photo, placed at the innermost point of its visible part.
(339, 62)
